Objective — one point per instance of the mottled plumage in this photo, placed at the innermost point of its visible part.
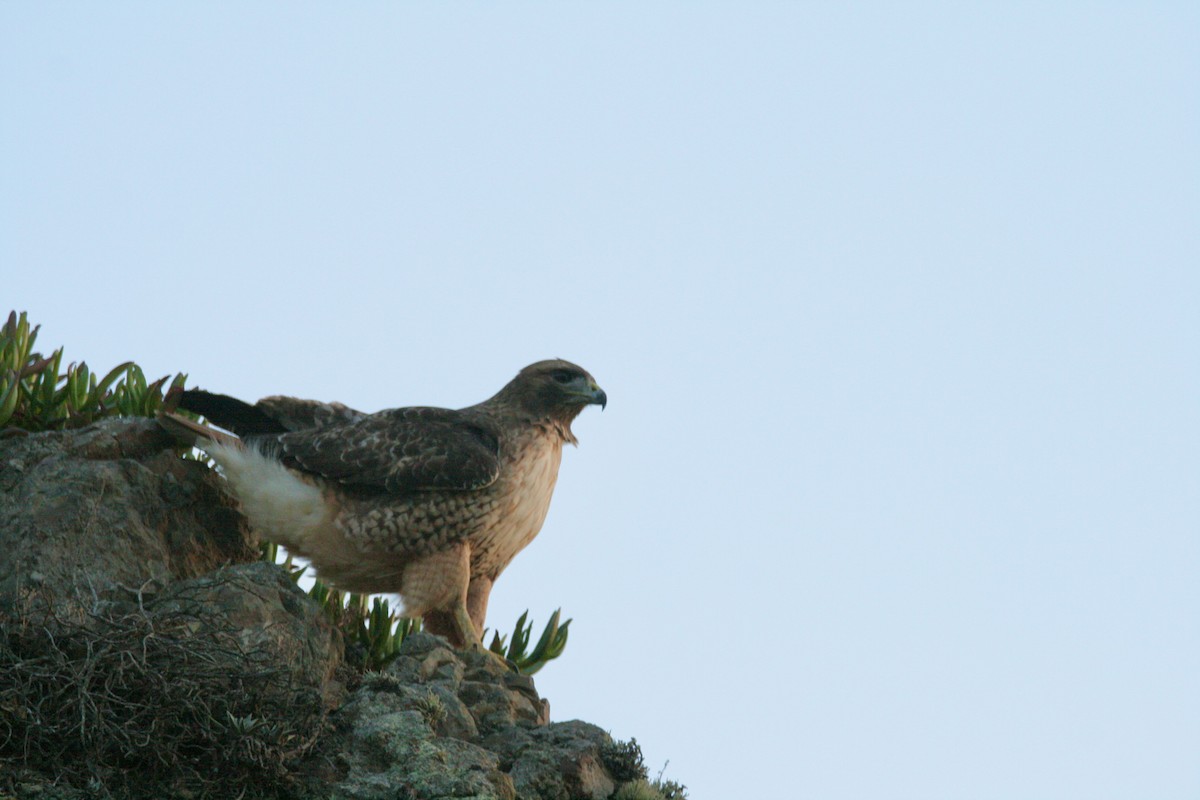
(428, 503)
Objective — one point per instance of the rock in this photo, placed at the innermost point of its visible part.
(560, 761)
(109, 506)
(183, 666)
(271, 618)
(440, 724)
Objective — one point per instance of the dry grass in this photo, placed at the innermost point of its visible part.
(148, 701)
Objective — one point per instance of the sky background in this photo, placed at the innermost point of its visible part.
(897, 494)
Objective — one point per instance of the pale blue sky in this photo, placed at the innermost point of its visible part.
(898, 490)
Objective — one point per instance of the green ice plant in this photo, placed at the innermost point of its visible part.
(368, 623)
(38, 393)
(549, 646)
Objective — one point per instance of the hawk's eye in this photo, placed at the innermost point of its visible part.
(562, 376)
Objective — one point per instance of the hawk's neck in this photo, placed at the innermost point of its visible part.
(518, 422)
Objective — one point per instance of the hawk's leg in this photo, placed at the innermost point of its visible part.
(448, 622)
(465, 628)
(441, 623)
(435, 587)
(459, 628)
(477, 600)
(476, 610)
(462, 622)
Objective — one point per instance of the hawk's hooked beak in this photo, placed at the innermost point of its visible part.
(598, 397)
(587, 392)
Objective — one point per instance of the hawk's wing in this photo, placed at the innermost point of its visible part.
(295, 414)
(404, 449)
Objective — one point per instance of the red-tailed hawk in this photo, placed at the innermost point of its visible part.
(428, 503)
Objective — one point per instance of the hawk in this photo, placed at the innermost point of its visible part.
(428, 503)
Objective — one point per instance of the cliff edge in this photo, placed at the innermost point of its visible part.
(147, 652)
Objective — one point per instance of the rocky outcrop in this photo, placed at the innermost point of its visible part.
(146, 652)
(437, 723)
(112, 505)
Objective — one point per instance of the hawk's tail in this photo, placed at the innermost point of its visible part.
(280, 505)
(193, 433)
(230, 413)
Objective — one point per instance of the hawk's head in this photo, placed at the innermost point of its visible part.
(555, 389)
